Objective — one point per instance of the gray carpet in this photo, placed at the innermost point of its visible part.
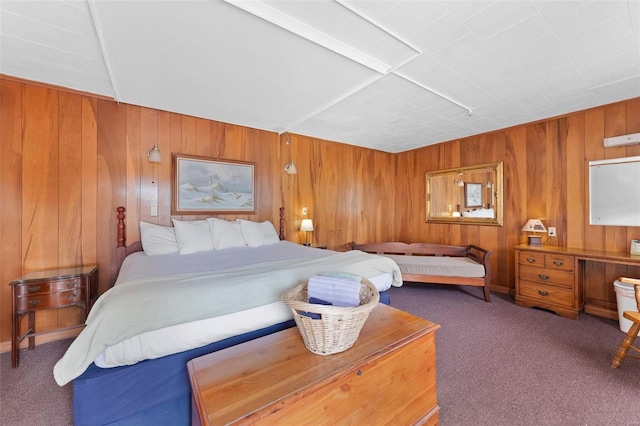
(498, 364)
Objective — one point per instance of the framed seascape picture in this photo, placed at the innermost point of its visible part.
(473, 195)
(206, 186)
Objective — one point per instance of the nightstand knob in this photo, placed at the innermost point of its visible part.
(34, 302)
(531, 260)
(543, 277)
(34, 289)
(543, 293)
(558, 263)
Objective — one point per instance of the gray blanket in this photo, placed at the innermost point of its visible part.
(135, 307)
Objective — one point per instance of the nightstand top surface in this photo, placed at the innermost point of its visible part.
(54, 274)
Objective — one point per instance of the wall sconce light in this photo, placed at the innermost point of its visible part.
(153, 155)
(534, 225)
(307, 226)
(290, 168)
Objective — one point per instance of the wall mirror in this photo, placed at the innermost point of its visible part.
(467, 195)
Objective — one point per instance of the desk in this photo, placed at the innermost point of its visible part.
(556, 278)
(387, 377)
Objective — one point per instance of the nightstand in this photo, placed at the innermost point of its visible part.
(50, 289)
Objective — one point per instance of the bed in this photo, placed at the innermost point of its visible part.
(181, 298)
(437, 263)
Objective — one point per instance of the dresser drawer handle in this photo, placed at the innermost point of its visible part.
(34, 289)
(531, 260)
(34, 302)
(543, 277)
(558, 263)
(70, 296)
(70, 284)
(543, 293)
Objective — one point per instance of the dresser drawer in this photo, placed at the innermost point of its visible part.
(547, 276)
(546, 293)
(50, 300)
(558, 261)
(530, 258)
(48, 287)
(553, 261)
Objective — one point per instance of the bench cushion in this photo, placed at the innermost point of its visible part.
(438, 265)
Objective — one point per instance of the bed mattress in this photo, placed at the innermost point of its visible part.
(182, 337)
(446, 266)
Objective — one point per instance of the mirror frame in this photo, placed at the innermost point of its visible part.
(497, 194)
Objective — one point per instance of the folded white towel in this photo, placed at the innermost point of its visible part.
(345, 275)
(337, 291)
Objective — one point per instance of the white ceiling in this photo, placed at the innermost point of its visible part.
(390, 75)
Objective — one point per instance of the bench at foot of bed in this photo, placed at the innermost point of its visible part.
(437, 263)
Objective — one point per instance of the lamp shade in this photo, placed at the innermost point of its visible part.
(306, 225)
(534, 225)
(154, 155)
(291, 169)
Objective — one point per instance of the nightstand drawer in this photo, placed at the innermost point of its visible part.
(547, 276)
(48, 287)
(50, 300)
(546, 293)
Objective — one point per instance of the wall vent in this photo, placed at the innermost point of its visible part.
(622, 140)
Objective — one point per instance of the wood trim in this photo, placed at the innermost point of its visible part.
(54, 87)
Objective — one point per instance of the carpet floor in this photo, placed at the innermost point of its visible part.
(497, 364)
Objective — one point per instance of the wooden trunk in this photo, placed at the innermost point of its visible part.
(387, 377)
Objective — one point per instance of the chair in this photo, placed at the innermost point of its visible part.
(627, 342)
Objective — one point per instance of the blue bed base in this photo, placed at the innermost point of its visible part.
(153, 392)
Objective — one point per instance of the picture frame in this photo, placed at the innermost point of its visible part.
(205, 186)
(472, 194)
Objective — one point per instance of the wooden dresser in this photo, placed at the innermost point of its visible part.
(548, 279)
(556, 278)
(387, 377)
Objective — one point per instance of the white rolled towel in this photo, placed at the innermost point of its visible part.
(337, 291)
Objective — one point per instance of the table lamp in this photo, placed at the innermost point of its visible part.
(534, 225)
(307, 226)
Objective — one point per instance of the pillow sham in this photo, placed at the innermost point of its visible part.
(157, 239)
(225, 233)
(258, 234)
(192, 236)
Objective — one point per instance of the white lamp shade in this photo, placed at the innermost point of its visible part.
(534, 225)
(306, 225)
(291, 168)
(154, 155)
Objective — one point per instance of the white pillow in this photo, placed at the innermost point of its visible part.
(258, 234)
(157, 239)
(225, 233)
(192, 236)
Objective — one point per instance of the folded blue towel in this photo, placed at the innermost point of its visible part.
(315, 301)
(337, 291)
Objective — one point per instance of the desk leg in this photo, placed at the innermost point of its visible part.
(15, 329)
(32, 329)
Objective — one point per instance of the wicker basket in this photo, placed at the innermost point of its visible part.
(338, 328)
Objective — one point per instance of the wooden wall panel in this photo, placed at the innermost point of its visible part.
(89, 177)
(545, 176)
(11, 194)
(68, 160)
